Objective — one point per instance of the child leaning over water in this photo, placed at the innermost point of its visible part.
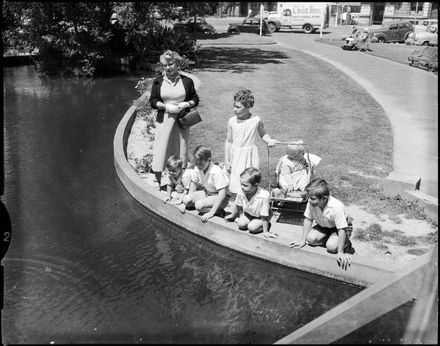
(252, 204)
(176, 180)
(208, 188)
(331, 224)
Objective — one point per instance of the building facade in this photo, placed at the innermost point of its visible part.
(369, 13)
(381, 13)
(376, 13)
(241, 9)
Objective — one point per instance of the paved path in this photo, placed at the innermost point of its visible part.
(408, 95)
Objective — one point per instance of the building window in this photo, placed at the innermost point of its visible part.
(417, 6)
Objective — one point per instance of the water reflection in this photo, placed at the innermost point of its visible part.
(158, 283)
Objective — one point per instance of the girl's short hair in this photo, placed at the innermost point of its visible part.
(202, 153)
(253, 174)
(174, 162)
(245, 97)
(170, 55)
(318, 187)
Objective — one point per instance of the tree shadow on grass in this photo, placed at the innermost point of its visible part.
(200, 37)
(237, 60)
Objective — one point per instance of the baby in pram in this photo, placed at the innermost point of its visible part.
(294, 171)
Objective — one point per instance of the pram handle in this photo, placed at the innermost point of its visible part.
(292, 142)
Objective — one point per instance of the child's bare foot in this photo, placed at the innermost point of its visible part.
(182, 208)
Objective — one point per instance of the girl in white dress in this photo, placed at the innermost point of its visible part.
(240, 149)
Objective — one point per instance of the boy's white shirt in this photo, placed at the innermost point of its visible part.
(183, 179)
(333, 215)
(213, 180)
(258, 205)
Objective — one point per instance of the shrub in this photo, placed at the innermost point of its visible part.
(151, 42)
(143, 165)
(66, 57)
(144, 110)
(50, 60)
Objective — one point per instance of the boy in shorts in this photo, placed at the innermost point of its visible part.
(331, 224)
(208, 188)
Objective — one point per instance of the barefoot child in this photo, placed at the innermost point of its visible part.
(208, 188)
(242, 129)
(331, 224)
(252, 204)
(176, 180)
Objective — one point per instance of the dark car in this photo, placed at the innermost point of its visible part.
(393, 32)
(249, 25)
(201, 26)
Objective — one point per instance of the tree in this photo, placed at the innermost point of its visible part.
(13, 35)
(74, 38)
(71, 37)
(198, 9)
(146, 34)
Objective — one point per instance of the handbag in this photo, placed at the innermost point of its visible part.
(188, 118)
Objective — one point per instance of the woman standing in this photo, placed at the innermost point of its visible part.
(171, 93)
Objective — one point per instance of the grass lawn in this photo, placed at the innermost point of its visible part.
(301, 97)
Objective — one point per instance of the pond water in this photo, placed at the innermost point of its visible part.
(88, 264)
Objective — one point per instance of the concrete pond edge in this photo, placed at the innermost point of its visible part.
(362, 272)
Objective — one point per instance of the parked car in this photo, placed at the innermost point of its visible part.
(429, 37)
(201, 26)
(422, 24)
(249, 25)
(393, 32)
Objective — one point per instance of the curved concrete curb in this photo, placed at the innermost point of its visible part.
(308, 259)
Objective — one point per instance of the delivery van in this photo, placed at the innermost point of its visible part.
(305, 16)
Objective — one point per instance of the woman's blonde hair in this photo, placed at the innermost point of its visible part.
(171, 55)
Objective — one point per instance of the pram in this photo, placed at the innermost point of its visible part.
(295, 201)
(352, 42)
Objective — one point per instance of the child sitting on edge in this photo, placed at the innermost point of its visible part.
(332, 226)
(208, 188)
(176, 180)
(294, 171)
(252, 203)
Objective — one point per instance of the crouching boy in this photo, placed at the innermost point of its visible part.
(326, 222)
(208, 188)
